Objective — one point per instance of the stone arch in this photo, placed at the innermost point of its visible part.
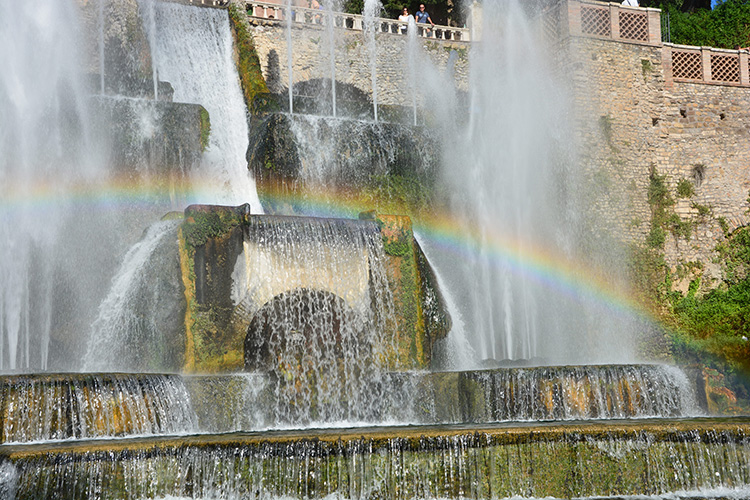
(302, 323)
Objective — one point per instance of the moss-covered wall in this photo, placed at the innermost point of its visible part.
(421, 317)
(210, 240)
(254, 87)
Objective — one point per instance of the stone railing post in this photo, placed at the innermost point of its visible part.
(744, 69)
(654, 26)
(666, 64)
(706, 60)
(614, 21)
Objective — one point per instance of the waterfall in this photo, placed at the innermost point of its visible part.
(523, 280)
(331, 7)
(201, 70)
(127, 335)
(456, 349)
(149, 22)
(587, 392)
(600, 463)
(371, 27)
(100, 41)
(326, 337)
(289, 54)
(46, 161)
(70, 406)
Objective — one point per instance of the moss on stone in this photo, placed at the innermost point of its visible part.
(257, 96)
(211, 345)
(205, 128)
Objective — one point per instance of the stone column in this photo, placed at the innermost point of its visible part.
(574, 18)
(614, 21)
(666, 64)
(654, 26)
(744, 70)
(706, 61)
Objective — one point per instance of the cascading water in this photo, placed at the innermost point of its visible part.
(516, 191)
(601, 462)
(56, 407)
(100, 42)
(149, 21)
(199, 44)
(319, 354)
(337, 152)
(331, 7)
(587, 392)
(370, 15)
(455, 352)
(132, 319)
(289, 54)
(326, 346)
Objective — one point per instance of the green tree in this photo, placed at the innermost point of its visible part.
(693, 22)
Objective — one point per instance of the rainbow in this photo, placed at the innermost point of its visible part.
(448, 233)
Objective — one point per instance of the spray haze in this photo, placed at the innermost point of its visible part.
(518, 189)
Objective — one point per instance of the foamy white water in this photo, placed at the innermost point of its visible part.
(201, 70)
(120, 326)
(44, 127)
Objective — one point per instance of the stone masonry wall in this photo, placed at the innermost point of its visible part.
(632, 120)
(311, 59)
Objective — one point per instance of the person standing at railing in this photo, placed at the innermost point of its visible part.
(422, 17)
(404, 18)
(630, 3)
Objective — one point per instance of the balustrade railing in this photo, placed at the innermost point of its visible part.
(319, 17)
(207, 3)
(708, 64)
(615, 21)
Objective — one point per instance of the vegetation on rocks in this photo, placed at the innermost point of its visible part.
(708, 326)
(248, 65)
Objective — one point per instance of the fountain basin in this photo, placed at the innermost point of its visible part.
(561, 460)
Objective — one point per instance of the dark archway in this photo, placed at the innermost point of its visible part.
(301, 323)
(319, 358)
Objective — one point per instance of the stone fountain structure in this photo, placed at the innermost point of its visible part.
(237, 354)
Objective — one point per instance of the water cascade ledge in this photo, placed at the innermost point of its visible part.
(537, 460)
(43, 407)
(226, 403)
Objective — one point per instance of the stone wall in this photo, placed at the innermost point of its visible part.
(311, 60)
(634, 121)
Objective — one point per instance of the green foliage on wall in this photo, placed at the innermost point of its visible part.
(205, 128)
(204, 225)
(685, 188)
(248, 64)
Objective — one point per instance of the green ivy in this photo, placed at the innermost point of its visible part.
(685, 188)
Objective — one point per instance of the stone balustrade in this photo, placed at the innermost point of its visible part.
(642, 26)
(707, 65)
(612, 20)
(207, 3)
(318, 17)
